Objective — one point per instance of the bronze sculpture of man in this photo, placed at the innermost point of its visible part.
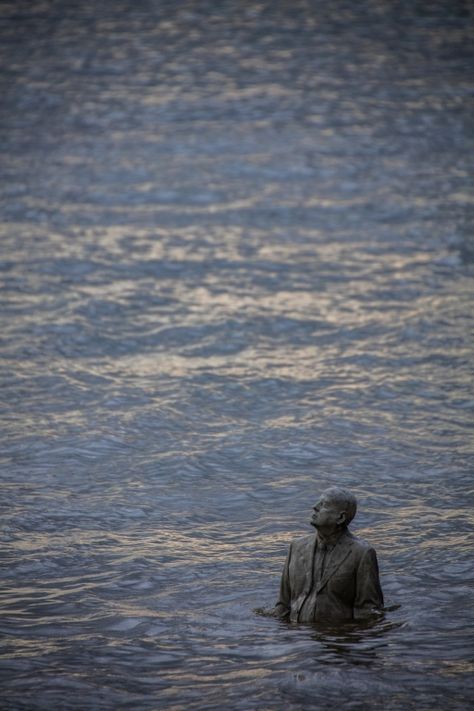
(331, 576)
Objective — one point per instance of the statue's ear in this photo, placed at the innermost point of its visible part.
(342, 517)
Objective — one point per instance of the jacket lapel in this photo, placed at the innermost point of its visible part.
(339, 554)
(308, 562)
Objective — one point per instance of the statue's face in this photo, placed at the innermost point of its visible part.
(326, 515)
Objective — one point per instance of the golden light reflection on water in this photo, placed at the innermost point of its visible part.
(233, 276)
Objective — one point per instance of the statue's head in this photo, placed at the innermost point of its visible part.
(334, 510)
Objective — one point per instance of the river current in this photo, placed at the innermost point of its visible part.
(237, 266)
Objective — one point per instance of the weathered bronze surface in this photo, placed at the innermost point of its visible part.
(331, 575)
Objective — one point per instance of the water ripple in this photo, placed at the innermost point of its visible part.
(236, 269)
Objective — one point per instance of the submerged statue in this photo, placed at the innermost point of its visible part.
(331, 576)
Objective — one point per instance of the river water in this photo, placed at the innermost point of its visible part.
(237, 268)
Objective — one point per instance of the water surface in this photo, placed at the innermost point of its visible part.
(237, 268)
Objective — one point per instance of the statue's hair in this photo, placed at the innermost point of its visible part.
(344, 500)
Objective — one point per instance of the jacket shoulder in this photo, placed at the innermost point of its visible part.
(302, 542)
(361, 545)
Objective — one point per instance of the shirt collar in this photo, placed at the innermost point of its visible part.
(330, 542)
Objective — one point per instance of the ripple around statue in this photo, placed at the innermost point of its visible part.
(331, 576)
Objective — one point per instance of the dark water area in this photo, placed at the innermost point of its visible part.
(237, 264)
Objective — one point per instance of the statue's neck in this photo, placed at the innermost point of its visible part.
(330, 539)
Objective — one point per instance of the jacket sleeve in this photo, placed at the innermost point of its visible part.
(369, 597)
(282, 608)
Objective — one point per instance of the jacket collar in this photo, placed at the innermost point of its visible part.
(338, 555)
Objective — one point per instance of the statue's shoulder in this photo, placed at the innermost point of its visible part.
(360, 544)
(303, 542)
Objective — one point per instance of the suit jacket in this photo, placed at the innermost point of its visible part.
(349, 587)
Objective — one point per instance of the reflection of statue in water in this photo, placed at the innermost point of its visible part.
(331, 576)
